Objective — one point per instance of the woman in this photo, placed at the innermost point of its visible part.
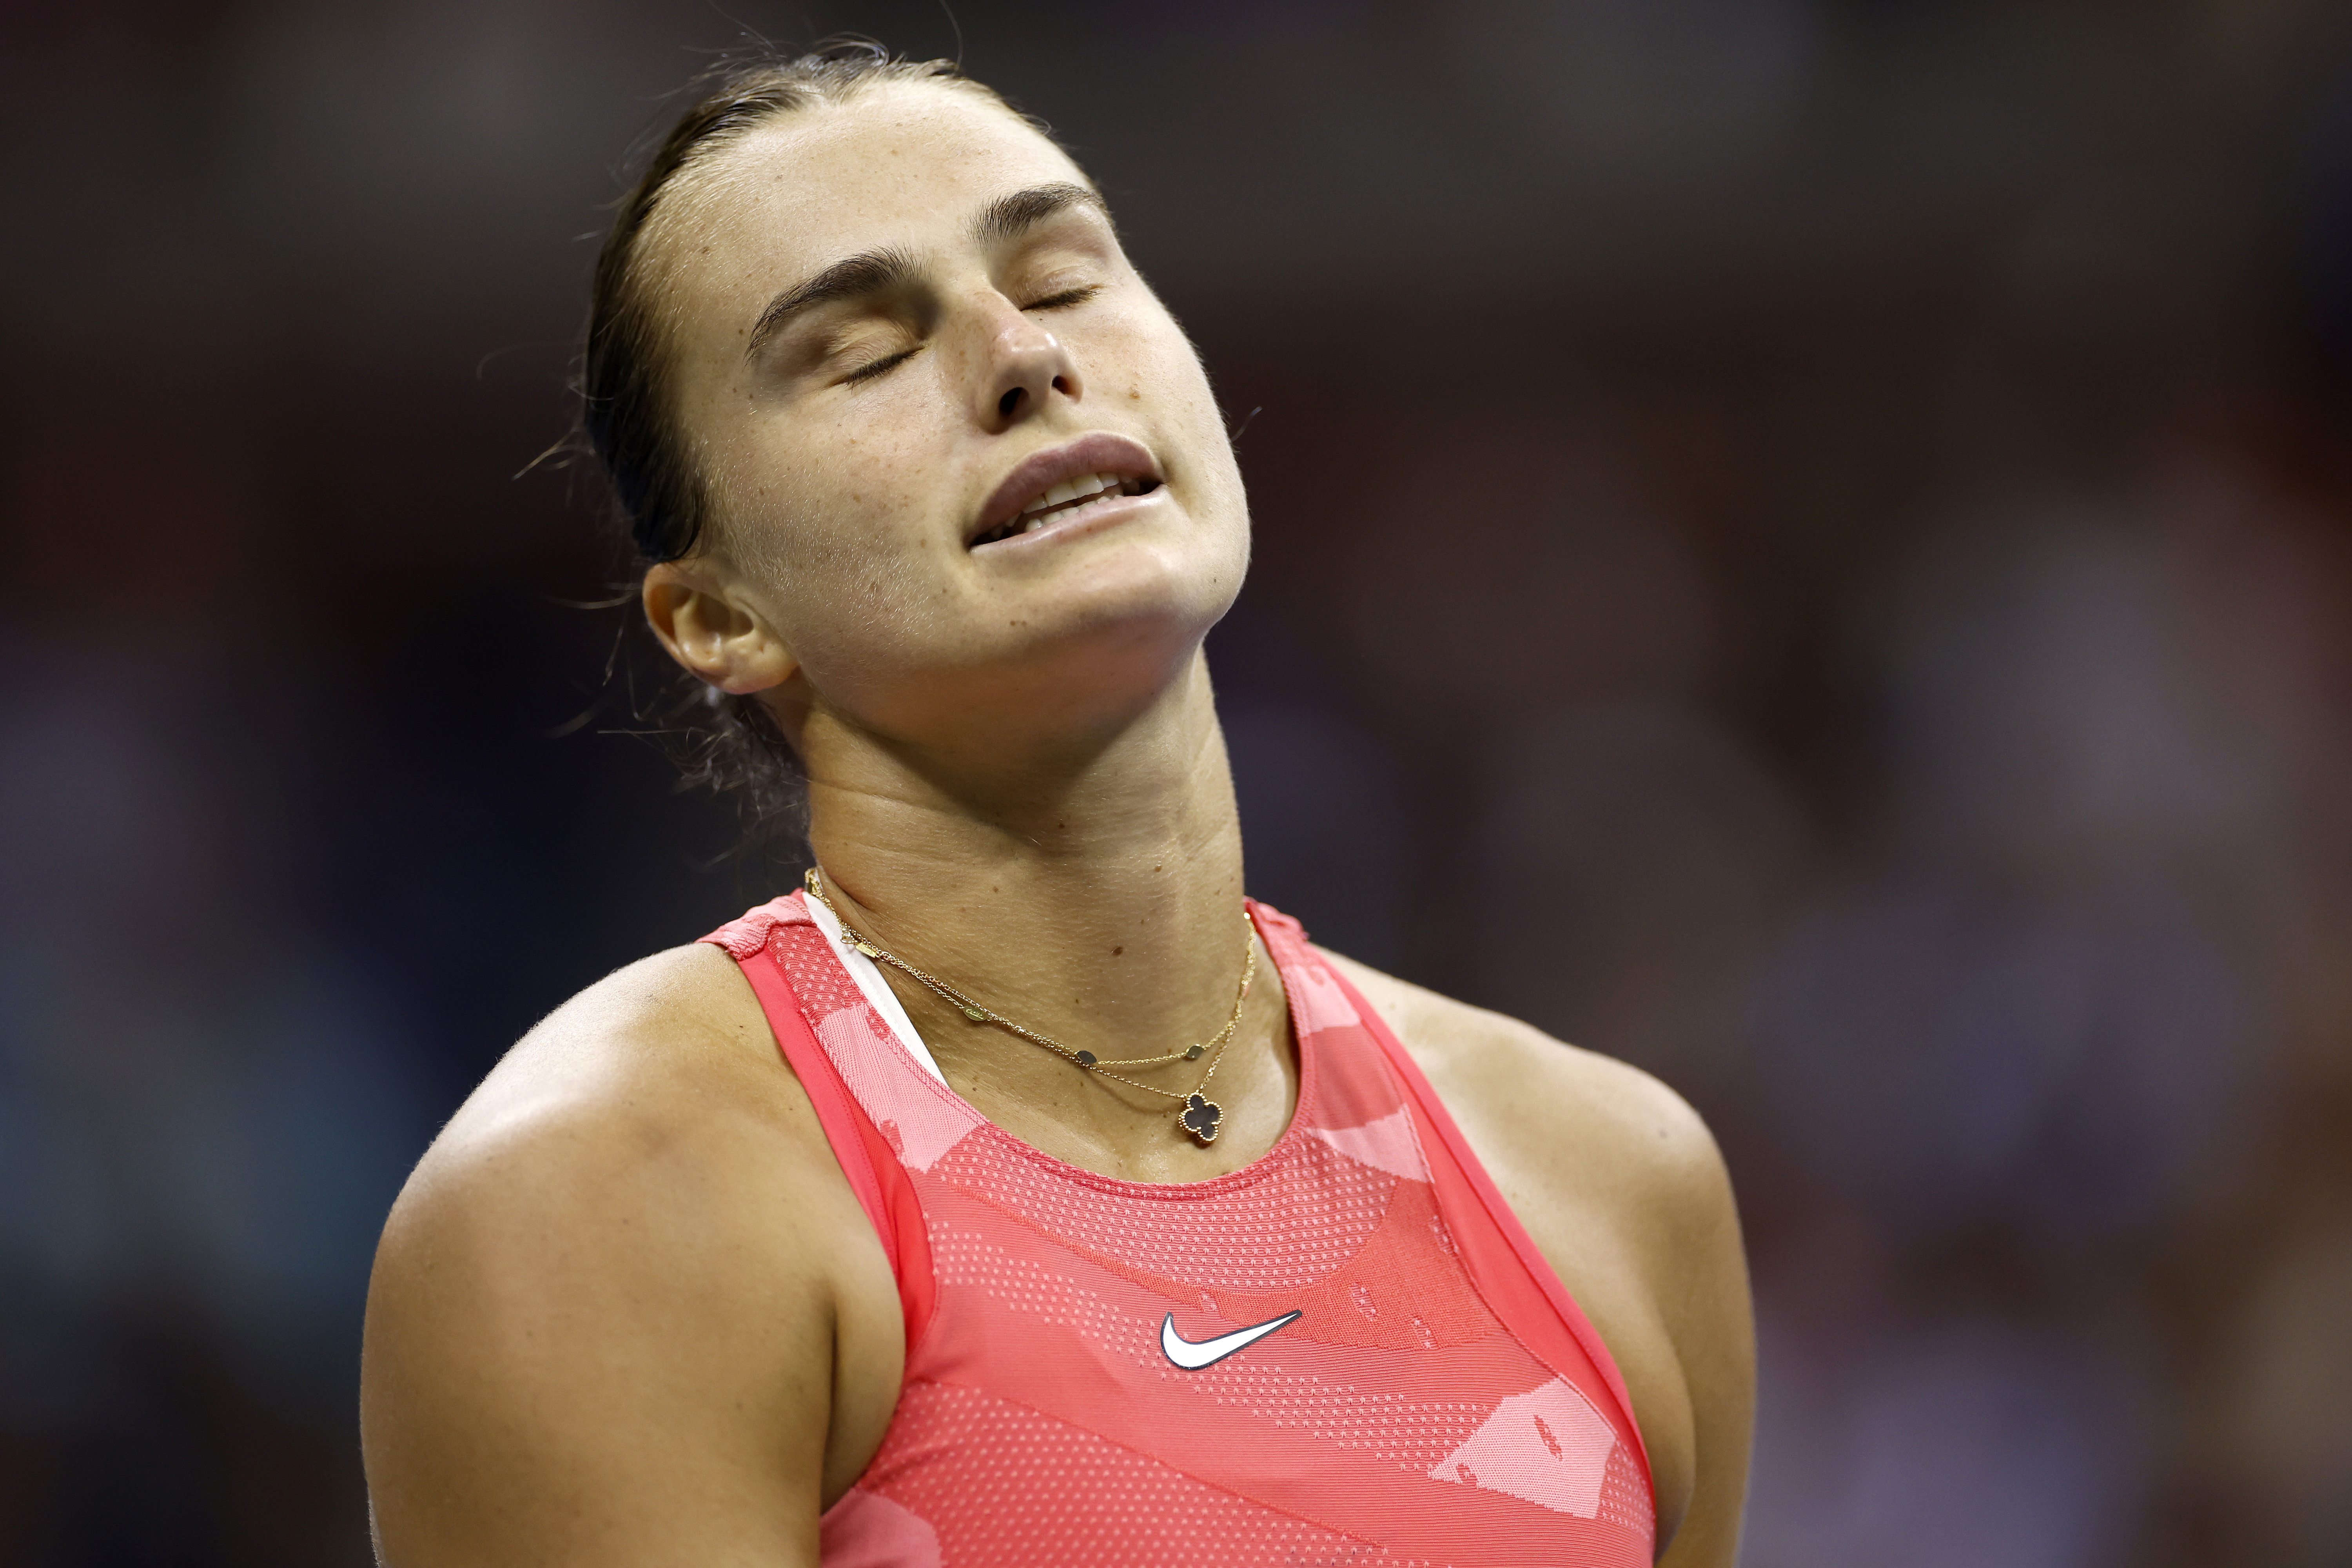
(1086, 1213)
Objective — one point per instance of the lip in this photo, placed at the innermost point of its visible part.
(1100, 452)
(1079, 522)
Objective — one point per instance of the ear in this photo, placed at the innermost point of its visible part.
(711, 631)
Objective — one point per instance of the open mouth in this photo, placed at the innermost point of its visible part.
(1072, 495)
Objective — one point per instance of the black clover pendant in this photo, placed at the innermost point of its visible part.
(1200, 1118)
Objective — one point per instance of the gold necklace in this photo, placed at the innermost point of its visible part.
(1200, 1115)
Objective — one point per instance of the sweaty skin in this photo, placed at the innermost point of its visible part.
(627, 1311)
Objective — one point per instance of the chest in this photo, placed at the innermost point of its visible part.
(1292, 1366)
(1344, 1346)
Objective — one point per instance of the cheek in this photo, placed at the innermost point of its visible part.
(1165, 368)
(833, 536)
(823, 501)
(1192, 407)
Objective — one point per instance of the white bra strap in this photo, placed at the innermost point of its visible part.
(868, 975)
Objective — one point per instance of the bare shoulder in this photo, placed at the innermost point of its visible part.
(661, 1047)
(656, 1081)
(1637, 1138)
(603, 1321)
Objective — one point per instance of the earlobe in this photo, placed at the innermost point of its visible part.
(710, 632)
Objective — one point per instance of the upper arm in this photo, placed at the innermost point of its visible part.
(1623, 1191)
(602, 1330)
(1698, 1274)
(1642, 1223)
(1628, 1197)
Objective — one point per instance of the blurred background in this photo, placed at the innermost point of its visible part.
(1803, 544)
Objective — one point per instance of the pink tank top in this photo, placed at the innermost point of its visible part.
(1348, 1351)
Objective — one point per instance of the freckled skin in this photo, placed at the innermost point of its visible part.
(627, 1311)
(821, 481)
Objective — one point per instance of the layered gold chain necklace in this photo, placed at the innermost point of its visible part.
(1199, 1116)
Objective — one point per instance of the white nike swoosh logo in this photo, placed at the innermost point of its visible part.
(1194, 1357)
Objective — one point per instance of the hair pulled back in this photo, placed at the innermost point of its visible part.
(625, 408)
(630, 421)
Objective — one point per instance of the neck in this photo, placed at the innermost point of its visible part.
(1089, 892)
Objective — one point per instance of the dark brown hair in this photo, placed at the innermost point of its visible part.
(625, 411)
(623, 371)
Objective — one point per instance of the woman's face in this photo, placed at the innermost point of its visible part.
(902, 333)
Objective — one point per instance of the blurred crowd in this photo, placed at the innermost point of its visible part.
(1806, 545)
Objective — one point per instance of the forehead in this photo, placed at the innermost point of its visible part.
(901, 163)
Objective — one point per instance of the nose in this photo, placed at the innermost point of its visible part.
(1025, 365)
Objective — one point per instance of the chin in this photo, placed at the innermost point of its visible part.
(1131, 582)
(1198, 575)
(1088, 653)
(1114, 648)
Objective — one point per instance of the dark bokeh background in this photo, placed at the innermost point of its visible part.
(1804, 544)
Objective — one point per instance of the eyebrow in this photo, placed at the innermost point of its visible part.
(1009, 217)
(872, 272)
(857, 277)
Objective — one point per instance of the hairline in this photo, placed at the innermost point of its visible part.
(706, 172)
(702, 178)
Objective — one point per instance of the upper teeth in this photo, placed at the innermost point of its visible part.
(1071, 489)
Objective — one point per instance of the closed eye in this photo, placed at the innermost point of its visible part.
(889, 362)
(882, 366)
(1079, 296)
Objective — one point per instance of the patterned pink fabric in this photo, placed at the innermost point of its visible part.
(1437, 1398)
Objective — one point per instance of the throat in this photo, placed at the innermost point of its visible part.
(1098, 903)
